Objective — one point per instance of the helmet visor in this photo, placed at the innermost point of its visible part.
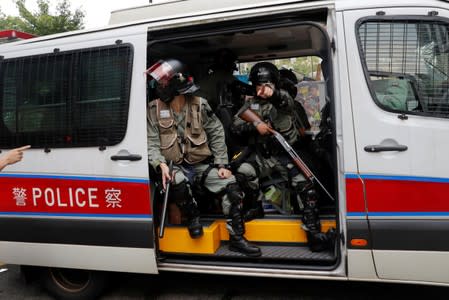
(162, 72)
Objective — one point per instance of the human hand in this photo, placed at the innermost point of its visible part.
(165, 173)
(224, 173)
(265, 90)
(15, 155)
(263, 128)
(12, 156)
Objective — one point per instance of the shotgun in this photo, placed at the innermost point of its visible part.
(165, 204)
(251, 117)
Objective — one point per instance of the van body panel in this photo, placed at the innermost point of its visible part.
(84, 200)
(95, 212)
(121, 259)
(352, 204)
(345, 5)
(424, 266)
(405, 190)
(71, 40)
(361, 265)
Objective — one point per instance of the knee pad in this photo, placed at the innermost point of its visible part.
(244, 182)
(234, 193)
(247, 178)
(241, 179)
(180, 193)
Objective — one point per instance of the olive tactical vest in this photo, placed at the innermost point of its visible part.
(193, 146)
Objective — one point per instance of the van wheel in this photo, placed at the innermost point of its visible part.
(73, 284)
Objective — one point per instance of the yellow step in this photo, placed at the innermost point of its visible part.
(177, 239)
(266, 230)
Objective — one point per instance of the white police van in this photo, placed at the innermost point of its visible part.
(82, 200)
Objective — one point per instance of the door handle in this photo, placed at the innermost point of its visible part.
(130, 157)
(381, 148)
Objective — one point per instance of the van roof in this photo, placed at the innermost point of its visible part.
(183, 8)
(173, 9)
(180, 8)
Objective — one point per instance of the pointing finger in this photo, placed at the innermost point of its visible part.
(24, 148)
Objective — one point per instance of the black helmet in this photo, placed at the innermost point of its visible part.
(264, 72)
(170, 79)
(286, 73)
(224, 59)
(288, 82)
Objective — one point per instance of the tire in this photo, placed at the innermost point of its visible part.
(73, 284)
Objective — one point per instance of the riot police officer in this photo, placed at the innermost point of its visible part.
(182, 128)
(276, 107)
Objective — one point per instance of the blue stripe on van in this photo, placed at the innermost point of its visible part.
(351, 176)
(397, 177)
(356, 214)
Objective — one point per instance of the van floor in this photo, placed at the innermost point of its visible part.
(282, 242)
(290, 255)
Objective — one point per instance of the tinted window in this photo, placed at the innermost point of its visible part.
(67, 99)
(406, 62)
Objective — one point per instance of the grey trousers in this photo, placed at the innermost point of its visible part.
(212, 182)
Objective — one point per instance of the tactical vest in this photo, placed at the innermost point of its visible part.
(193, 146)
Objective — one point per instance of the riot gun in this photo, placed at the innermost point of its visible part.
(251, 117)
(165, 204)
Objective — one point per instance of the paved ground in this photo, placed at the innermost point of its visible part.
(174, 286)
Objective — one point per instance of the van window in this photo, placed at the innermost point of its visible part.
(66, 99)
(406, 64)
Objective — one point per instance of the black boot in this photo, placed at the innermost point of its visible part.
(193, 219)
(317, 240)
(256, 210)
(252, 209)
(235, 225)
(237, 241)
(189, 208)
(195, 228)
(320, 241)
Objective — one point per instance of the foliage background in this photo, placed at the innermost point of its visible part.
(306, 67)
(42, 21)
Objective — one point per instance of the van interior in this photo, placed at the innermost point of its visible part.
(297, 42)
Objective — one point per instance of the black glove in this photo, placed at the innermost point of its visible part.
(243, 129)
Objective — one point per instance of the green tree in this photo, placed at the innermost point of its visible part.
(42, 22)
(302, 66)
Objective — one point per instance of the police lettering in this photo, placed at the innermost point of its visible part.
(70, 197)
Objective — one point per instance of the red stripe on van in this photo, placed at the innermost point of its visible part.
(55, 195)
(354, 195)
(406, 196)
